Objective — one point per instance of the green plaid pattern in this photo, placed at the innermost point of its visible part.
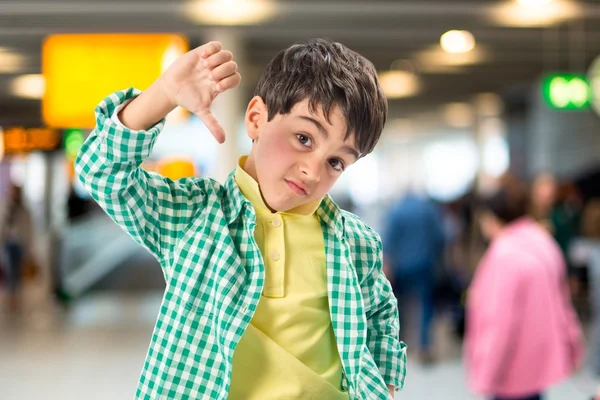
(202, 233)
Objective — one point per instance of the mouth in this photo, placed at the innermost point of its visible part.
(297, 188)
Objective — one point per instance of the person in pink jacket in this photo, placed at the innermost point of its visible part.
(523, 335)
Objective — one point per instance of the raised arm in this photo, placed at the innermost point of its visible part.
(154, 210)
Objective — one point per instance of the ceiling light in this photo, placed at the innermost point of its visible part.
(10, 62)
(399, 84)
(535, 13)
(436, 60)
(230, 12)
(489, 104)
(29, 86)
(458, 115)
(533, 3)
(457, 42)
(403, 65)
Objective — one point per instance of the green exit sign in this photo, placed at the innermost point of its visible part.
(567, 91)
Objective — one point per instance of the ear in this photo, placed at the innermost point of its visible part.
(256, 116)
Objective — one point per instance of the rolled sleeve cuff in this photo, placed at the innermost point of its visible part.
(393, 365)
(120, 143)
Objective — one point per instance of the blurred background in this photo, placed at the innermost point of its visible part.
(477, 89)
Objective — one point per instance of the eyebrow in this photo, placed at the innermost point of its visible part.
(317, 124)
(320, 128)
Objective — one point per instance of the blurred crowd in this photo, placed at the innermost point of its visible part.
(16, 250)
(516, 270)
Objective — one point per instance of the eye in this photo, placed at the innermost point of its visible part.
(305, 140)
(337, 164)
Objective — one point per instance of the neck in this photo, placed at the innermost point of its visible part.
(250, 167)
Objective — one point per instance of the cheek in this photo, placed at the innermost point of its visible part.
(279, 149)
(281, 145)
(276, 155)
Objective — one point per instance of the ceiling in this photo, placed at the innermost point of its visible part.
(381, 30)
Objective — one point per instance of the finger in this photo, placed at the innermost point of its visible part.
(229, 83)
(224, 70)
(212, 124)
(217, 59)
(209, 49)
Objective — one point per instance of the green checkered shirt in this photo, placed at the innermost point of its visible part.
(202, 233)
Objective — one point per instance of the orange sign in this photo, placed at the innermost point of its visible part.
(22, 140)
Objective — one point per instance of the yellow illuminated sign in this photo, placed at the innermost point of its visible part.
(21, 140)
(82, 69)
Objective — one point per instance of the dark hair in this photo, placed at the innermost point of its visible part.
(327, 74)
(506, 205)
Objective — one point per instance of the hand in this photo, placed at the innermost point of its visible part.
(195, 79)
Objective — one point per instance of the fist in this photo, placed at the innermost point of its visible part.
(195, 79)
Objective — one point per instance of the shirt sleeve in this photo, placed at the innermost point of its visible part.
(383, 326)
(153, 209)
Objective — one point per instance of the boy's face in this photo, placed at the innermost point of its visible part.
(296, 158)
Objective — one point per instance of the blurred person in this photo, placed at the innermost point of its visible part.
(455, 275)
(588, 249)
(557, 208)
(565, 220)
(558, 217)
(523, 335)
(543, 196)
(15, 235)
(565, 215)
(413, 246)
(272, 290)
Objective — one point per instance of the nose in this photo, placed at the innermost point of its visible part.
(311, 169)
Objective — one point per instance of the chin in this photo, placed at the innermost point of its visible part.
(282, 207)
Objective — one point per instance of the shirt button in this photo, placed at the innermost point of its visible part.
(274, 256)
(276, 223)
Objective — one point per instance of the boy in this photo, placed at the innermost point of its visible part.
(272, 291)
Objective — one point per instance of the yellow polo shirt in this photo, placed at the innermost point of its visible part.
(289, 349)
